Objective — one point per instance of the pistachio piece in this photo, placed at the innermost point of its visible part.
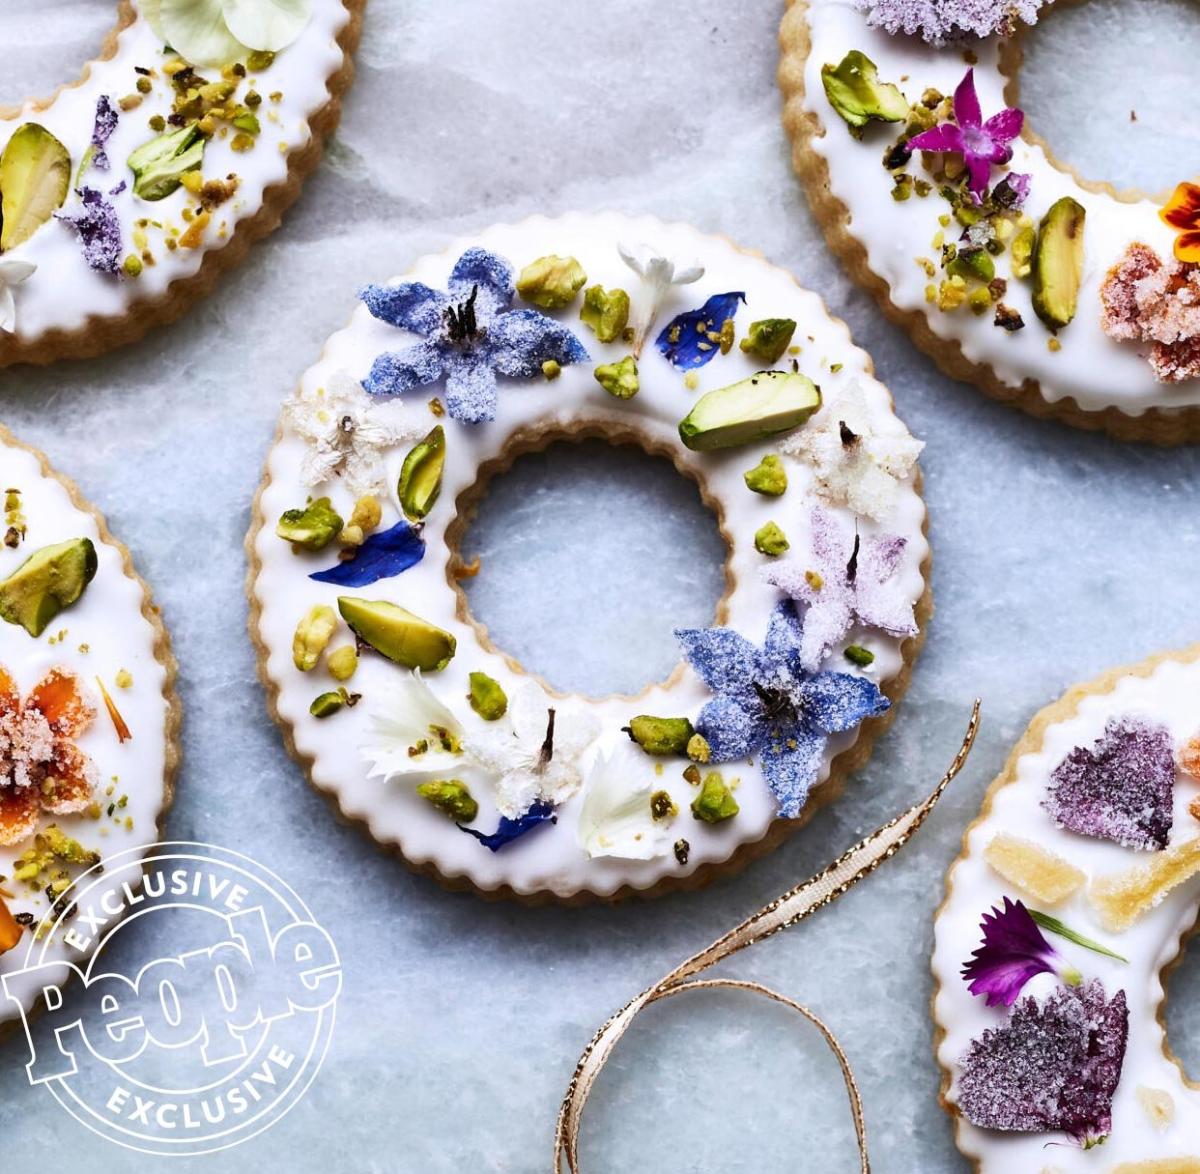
(1022, 252)
(661, 735)
(768, 477)
(421, 475)
(364, 518)
(605, 311)
(48, 581)
(396, 633)
(551, 282)
(968, 263)
(327, 704)
(856, 93)
(342, 662)
(857, 654)
(1058, 263)
(312, 528)
(768, 338)
(619, 379)
(681, 849)
(662, 806)
(551, 369)
(487, 697)
(35, 176)
(260, 60)
(770, 540)
(313, 633)
(715, 803)
(752, 409)
(159, 166)
(451, 797)
(698, 749)
(67, 848)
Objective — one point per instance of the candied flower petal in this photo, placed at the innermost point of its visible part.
(59, 697)
(403, 729)
(380, 556)
(723, 659)
(939, 21)
(509, 830)
(70, 781)
(1013, 952)
(614, 816)
(99, 229)
(522, 340)
(411, 305)
(1182, 209)
(1003, 128)
(19, 810)
(489, 274)
(1187, 247)
(685, 339)
(395, 372)
(967, 111)
(103, 126)
(732, 728)
(946, 137)
(791, 768)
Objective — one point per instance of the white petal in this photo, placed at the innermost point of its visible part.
(688, 274)
(197, 31)
(401, 716)
(8, 310)
(614, 818)
(13, 270)
(635, 256)
(529, 715)
(516, 792)
(269, 25)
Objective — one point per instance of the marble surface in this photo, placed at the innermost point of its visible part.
(1056, 555)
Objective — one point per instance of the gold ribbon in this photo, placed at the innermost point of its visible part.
(795, 905)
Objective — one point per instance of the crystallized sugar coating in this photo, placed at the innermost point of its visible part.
(26, 747)
(1053, 1066)
(99, 229)
(1121, 788)
(939, 21)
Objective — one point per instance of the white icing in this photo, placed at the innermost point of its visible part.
(65, 292)
(551, 859)
(1091, 368)
(108, 620)
(1171, 696)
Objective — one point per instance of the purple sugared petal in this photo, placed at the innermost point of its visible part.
(490, 274)
(939, 21)
(382, 555)
(979, 170)
(520, 341)
(791, 766)
(102, 128)
(1119, 789)
(408, 306)
(471, 394)
(1053, 1066)
(723, 659)
(513, 829)
(1013, 190)
(1002, 128)
(99, 229)
(685, 339)
(395, 372)
(1013, 952)
(836, 702)
(967, 112)
(946, 137)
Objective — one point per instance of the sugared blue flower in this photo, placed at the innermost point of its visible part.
(470, 334)
(692, 338)
(513, 829)
(768, 706)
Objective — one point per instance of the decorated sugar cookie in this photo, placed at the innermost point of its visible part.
(1049, 292)
(126, 194)
(1074, 892)
(88, 715)
(394, 698)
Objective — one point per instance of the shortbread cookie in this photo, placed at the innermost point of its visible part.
(1076, 888)
(126, 194)
(1050, 292)
(396, 701)
(89, 720)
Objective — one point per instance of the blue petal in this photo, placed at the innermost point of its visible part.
(470, 389)
(681, 337)
(409, 306)
(381, 556)
(395, 372)
(512, 829)
(790, 768)
(723, 659)
(521, 341)
(490, 274)
(731, 728)
(784, 632)
(833, 702)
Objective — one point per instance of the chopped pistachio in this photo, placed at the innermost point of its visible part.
(662, 806)
(67, 849)
(682, 849)
(260, 60)
(619, 379)
(487, 697)
(768, 477)
(421, 475)
(605, 311)
(856, 93)
(159, 165)
(724, 337)
(132, 265)
(313, 633)
(551, 282)
(47, 582)
(691, 773)
(312, 528)
(329, 703)
(661, 735)
(698, 749)
(770, 540)
(768, 339)
(715, 803)
(551, 369)
(969, 263)
(857, 654)
(364, 518)
(342, 662)
(124, 679)
(451, 797)
(1022, 252)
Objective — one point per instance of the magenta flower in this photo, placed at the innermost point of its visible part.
(1013, 952)
(979, 143)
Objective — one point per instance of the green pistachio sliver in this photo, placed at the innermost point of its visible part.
(312, 528)
(619, 379)
(857, 654)
(768, 339)
(421, 475)
(452, 797)
(487, 697)
(715, 803)
(605, 311)
(327, 704)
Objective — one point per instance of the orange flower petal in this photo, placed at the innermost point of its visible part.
(69, 781)
(10, 929)
(1187, 246)
(18, 814)
(58, 696)
(1182, 210)
(10, 695)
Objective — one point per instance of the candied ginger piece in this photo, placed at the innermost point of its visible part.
(1158, 1104)
(1188, 757)
(1121, 899)
(1194, 808)
(1040, 873)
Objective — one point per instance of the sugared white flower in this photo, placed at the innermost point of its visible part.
(614, 817)
(410, 732)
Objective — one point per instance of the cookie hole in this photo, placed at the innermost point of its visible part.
(591, 554)
(1183, 1011)
(1088, 66)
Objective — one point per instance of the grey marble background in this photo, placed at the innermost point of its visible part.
(1057, 555)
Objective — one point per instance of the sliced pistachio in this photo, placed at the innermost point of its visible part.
(487, 697)
(48, 581)
(856, 93)
(857, 654)
(619, 379)
(329, 703)
(752, 409)
(605, 311)
(159, 166)
(398, 634)
(1058, 263)
(421, 475)
(451, 797)
(35, 176)
(661, 735)
(551, 282)
(715, 803)
(768, 477)
(1022, 252)
(312, 528)
(768, 338)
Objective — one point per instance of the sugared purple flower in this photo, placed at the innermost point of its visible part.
(939, 21)
(470, 334)
(1013, 952)
(1013, 190)
(99, 228)
(1053, 1066)
(846, 580)
(1121, 788)
(768, 705)
(979, 143)
(102, 128)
